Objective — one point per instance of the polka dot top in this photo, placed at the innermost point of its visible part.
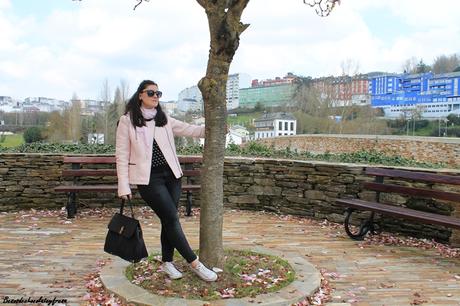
(158, 159)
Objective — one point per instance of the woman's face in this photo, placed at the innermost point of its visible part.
(150, 96)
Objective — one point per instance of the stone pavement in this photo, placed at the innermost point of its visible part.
(45, 255)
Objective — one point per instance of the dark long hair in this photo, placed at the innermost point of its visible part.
(134, 108)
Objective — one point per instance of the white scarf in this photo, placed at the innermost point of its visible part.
(148, 114)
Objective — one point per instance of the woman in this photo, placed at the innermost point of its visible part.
(146, 157)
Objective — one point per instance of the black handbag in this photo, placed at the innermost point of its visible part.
(124, 238)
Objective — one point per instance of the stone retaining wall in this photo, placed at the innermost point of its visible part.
(425, 149)
(306, 188)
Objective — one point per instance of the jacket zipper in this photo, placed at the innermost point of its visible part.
(154, 125)
(178, 164)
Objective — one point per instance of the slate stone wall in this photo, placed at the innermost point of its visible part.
(425, 149)
(306, 188)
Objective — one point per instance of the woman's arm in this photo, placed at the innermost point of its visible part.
(122, 150)
(180, 128)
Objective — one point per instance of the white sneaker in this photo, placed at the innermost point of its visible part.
(204, 273)
(169, 269)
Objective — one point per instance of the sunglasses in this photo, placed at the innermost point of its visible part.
(151, 93)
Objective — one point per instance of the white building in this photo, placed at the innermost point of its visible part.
(237, 135)
(360, 100)
(276, 124)
(190, 99)
(5, 100)
(234, 83)
(169, 107)
(95, 138)
(44, 104)
(31, 104)
(8, 105)
(91, 107)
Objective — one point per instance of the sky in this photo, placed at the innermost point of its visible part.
(61, 48)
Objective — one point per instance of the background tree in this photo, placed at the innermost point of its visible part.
(416, 114)
(75, 119)
(349, 66)
(422, 67)
(445, 64)
(105, 98)
(315, 106)
(120, 99)
(55, 131)
(302, 93)
(32, 134)
(259, 107)
(113, 112)
(410, 65)
(119, 102)
(350, 69)
(86, 128)
(453, 119)
(124, 93)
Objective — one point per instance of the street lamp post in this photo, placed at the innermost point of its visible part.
(439, 127)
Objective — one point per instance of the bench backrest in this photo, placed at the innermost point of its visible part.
(187, 162)
(430, 178)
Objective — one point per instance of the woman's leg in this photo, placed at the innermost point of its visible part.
(174, 188)
(157, 195)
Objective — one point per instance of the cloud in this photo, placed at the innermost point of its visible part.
(5, 4)
(72, 50)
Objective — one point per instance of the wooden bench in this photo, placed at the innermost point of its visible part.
(358, 232)
(98, 167)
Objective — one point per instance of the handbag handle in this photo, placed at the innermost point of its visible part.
(123, 205)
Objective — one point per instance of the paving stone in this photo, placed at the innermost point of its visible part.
(55, 259)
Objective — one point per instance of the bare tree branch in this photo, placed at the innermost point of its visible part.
(139, 3)
(235, 10)
(202, 3)
(237, 7)
(322, 7)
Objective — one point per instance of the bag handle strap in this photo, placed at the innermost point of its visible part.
(123, 205)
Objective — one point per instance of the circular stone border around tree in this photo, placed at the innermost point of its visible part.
(308, 280)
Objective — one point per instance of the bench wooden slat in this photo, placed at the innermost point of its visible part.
(191, 187)
(112, 172)
(90, 172)
(426, 193)
(190, 159)
(77, 188)
(109, 188)
(111, 159)
(420, 176)
(403, 212)
(194, 172)
(89, 159)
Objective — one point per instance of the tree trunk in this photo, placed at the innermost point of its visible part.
(225, 28)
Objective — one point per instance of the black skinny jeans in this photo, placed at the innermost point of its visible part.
(162, 194)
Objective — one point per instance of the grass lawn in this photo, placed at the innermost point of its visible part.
(12, 141)
(243, 119)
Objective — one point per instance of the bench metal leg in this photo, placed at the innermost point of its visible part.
(189, 203)
(366, 226)
(71, 205)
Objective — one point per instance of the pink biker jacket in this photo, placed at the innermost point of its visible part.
(134, 159)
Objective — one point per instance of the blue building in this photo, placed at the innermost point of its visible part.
(400, 95)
